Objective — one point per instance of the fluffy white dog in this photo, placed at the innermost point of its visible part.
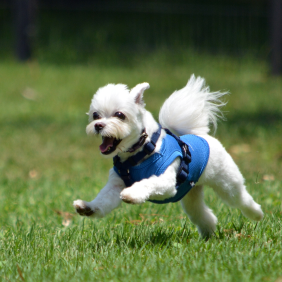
(137, 142)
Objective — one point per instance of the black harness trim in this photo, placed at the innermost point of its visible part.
(183, 171)
(139, 143)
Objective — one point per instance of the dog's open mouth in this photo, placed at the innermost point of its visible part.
(109, 145)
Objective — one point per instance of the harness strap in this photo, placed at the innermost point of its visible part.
(183, 171)
(123, 168)
(139, 143)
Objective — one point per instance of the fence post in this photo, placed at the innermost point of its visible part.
(276, 36)
(24, 16)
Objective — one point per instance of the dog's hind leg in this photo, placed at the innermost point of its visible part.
(196, 209)
(223, 175)
(233, 192)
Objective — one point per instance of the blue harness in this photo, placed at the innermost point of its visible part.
(191, 149)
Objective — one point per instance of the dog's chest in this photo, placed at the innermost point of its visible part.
(157, 163)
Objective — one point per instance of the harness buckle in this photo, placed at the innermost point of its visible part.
(182, 176)
(149, 148)
(126, 175)
(183, 172)
(186, 153)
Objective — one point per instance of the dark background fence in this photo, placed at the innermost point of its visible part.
(74, 31)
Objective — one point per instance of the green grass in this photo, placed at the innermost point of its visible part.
(47, 161)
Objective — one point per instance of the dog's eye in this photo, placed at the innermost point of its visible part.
(119, 115)
(96, 115)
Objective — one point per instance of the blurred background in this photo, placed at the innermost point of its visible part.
(85, 31)
(54, 54)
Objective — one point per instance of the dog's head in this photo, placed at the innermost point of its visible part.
(117, 115)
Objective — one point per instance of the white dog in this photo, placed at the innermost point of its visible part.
(137, 142)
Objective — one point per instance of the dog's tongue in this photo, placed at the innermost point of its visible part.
(107, 142)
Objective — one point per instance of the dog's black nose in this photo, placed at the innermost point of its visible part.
(98, 126)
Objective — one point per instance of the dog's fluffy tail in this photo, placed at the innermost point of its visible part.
(192, 109)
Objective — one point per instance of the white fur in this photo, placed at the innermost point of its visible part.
(188, 111)
(191, 109)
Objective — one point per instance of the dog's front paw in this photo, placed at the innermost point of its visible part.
(84, 209)
(133, 196)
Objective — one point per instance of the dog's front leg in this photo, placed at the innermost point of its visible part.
(107, 199)
(154, 188)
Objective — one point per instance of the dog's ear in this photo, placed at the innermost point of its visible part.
(138, 91)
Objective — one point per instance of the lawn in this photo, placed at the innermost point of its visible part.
(47, 161)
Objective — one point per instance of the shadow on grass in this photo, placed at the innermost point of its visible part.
(140, 236)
